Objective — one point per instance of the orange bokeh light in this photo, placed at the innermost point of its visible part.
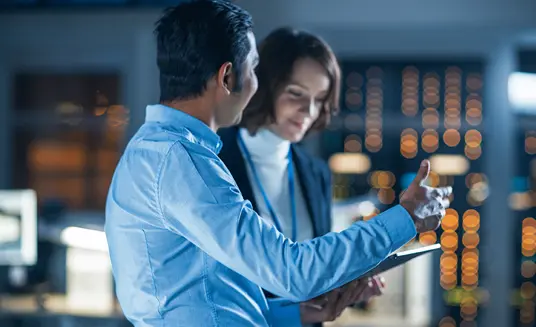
(451, 220)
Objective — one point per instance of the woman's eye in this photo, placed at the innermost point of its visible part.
(295, 94)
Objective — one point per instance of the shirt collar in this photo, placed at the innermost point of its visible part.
(199, 132)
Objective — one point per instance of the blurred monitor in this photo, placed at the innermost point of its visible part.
(18, 227)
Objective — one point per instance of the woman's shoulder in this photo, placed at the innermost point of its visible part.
(316, 163)
(229, 150)
(228, 133)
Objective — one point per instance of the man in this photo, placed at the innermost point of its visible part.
(186, 249)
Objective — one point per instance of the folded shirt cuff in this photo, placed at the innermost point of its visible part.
(398, 224)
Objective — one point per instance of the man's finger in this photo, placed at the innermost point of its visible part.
(422, 174)
(442, 192)
(433, 208)
(377, 287)
(313, 306)
(343, 302)
(445, 203)
(321, 300)
(332, 309)
(359, 291)
(346, 297)
(364, 295)
(382, 281)
(432, 222)
(379, 281)
(335, 295)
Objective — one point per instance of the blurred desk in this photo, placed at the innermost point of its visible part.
(24, 311)
(56, 308)
(54, 304)
(353, 318)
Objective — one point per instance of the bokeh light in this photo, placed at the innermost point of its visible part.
(473, 109)
(428, 238)
(353, 143)
(430, 118)
(447, 322)
(410, 91)
(451, 220)
(451, 137)
(386, 195)
(430, 140)
(449, 241)
(409, 143)
(374, 108)
(530, 142)
(528, 269)
(528, 237)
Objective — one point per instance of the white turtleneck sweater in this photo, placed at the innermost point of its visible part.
(269, 155)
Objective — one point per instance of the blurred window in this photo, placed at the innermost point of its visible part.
(68, 134)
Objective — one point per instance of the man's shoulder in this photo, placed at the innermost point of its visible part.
(155, 137)
(176, 156)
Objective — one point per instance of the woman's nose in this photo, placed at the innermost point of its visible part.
(309, 108)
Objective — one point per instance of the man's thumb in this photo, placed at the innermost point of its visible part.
(423, 172)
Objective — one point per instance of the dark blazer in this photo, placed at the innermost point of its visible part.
(314, 176)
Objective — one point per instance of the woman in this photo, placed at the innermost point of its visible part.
(299, 86)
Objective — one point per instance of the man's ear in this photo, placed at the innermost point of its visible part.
(226, 78)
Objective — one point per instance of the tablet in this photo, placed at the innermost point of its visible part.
(400, 258)
(392, 261)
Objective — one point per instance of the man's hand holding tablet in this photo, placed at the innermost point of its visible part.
(331, 305)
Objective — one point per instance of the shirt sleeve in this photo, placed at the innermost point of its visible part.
(282, 315)
(199, 200)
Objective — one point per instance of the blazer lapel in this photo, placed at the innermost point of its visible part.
(234, 160)
(311, 190)
(307, 174)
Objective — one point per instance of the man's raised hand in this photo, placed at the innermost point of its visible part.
(425, 204)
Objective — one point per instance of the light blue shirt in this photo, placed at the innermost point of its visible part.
(188, 250)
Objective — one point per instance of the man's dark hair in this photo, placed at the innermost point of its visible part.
(194, 39)
(278, 53)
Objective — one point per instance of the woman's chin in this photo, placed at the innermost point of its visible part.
(294, 137)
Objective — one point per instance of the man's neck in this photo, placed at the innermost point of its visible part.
(198, 108)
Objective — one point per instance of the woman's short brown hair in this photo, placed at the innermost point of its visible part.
(278, 53)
